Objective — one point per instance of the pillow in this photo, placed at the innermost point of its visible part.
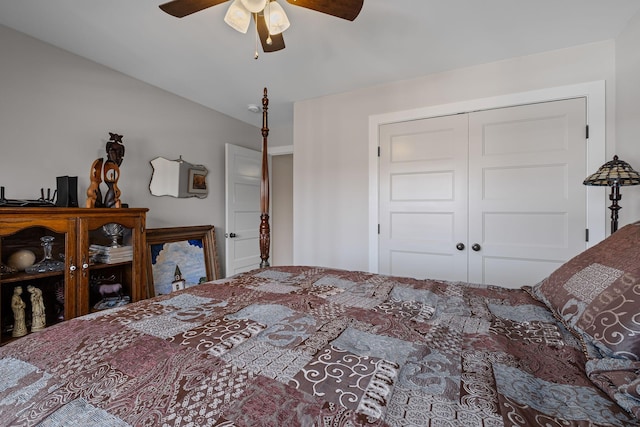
(597, 294)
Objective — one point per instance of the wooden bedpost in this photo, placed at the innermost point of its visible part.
(265, 238)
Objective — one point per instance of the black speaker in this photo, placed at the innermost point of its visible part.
(67, 187)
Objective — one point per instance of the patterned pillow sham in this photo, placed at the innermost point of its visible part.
(597, 294)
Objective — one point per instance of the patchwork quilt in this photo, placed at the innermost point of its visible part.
(308, 346)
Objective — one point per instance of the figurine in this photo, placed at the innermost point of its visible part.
(115, 149)
(19, 324)
(109, 172)
(38, 319)
(111, 176)
(110, 288)
(94, 195)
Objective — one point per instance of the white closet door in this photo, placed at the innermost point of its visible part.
(527, 203)
(423, 198)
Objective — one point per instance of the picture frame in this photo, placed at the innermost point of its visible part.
(192, 250)
(197, 183)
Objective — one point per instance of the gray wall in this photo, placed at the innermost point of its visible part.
(628, 113)
(331, 140)
(282, 209)
(56, 110)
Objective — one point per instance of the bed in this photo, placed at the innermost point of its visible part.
(310, 346)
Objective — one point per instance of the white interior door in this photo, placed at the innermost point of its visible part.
(242, 197)
(526, 196)
(423, 198)
(508, 180)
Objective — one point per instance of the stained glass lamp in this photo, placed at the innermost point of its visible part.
(615, 174)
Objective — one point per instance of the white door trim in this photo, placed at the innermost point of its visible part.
(594, 92)
(280, 150)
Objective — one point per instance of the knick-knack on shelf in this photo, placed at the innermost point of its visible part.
(38, 317)
(109, 172)
(18, 306)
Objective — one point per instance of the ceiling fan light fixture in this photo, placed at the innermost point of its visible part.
(238, 17)
(254, 6)
(277, 20)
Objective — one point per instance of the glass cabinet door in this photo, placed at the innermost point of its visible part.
(37, 276)
(109, 273)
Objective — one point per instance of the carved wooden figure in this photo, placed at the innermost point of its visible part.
(111, 176)
(94, 195)
(110, 172)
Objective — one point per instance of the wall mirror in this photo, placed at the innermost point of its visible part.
(178, 178)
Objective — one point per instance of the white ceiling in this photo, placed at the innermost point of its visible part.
(202, 59)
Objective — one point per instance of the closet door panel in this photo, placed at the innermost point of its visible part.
(526, 198)
(423, 198)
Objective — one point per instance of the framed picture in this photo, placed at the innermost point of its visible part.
(197, 181)
(180, 257)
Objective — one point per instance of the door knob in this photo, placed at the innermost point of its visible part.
(476, 247)
(460, 246)
(231, 235)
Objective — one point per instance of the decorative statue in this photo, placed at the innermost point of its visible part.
(110, 288)
(19, 324)
(115, 149)
(94, 195)
(38, 319)
(111, 176)
(110, 173)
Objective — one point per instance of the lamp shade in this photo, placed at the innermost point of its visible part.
(276, 19)
(254, 6)
(238, 17)
(614, 172)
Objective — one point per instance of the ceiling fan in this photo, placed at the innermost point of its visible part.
(269, 16)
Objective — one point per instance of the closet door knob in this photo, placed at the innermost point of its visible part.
(460, 246)
(476, 247)
(231, 235)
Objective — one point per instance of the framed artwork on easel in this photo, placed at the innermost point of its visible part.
(180, 257)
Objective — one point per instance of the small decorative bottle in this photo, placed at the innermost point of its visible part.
(47, 263)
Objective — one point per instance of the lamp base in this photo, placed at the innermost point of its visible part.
(615, 207)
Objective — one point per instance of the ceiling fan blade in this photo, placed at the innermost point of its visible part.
(182, 8)
(345, 9)
(277, 41)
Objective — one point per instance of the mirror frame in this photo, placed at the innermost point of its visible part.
(191, 179)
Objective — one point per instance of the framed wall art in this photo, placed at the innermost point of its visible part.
(197, 181)
(180, 257)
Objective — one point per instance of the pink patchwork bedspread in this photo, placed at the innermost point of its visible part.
(305, 346)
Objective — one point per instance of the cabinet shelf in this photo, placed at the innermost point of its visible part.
(25, 277)
(102, 265)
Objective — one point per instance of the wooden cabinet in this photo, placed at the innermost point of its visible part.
(73, 289)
